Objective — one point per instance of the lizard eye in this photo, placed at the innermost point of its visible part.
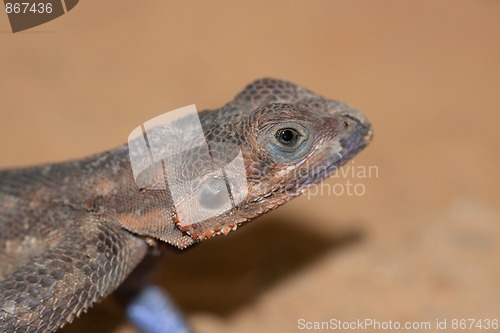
(287, 136)
(288, 142)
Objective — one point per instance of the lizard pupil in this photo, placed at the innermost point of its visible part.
(287, 136)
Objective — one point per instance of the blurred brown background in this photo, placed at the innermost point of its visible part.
(421, 244)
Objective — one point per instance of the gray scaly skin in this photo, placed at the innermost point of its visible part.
(71, 232)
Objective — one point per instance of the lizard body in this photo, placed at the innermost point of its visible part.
(71, 232)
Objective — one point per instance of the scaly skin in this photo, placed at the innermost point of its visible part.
(71, 232)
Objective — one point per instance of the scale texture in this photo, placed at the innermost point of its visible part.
(71, 232)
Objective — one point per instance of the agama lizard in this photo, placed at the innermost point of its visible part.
(71, 232)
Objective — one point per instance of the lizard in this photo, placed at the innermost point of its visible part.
(71, 232)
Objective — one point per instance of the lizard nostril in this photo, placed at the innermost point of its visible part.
(345, 124)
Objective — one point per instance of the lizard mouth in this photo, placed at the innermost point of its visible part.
(368, 136)
(362, 134)
(358, 136)
(365, 136)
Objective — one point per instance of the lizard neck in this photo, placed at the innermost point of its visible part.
(109, 188)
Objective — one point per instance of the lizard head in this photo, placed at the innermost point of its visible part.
(283, 138)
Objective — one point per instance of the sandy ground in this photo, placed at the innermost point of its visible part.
(421, 244)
